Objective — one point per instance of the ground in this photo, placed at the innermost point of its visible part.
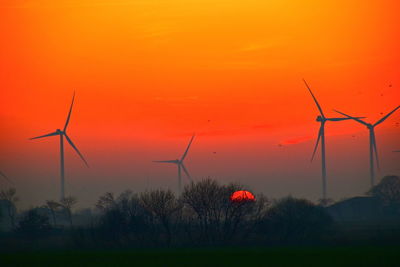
(286, 256)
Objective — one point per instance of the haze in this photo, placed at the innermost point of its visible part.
(147, 74)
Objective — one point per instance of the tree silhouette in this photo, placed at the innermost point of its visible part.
(162, 204)
(10, 198)
(291, 219)
(68, 203)
(33, 224)
(388, 190)
(215, 216)
(106, 201)
(53, 206)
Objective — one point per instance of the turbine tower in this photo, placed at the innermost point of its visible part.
(321, 137)
(62, 134)
(373, 152)
(180, 165)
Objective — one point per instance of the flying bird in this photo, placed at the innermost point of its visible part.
(180, 165)
(321, 138)
(373, 151)
(63, 133)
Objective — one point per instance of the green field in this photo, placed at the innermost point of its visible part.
(287, 256)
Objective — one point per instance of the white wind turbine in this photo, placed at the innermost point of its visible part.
(373, 152)
(179, 164)
(62, 134)
(321, 137)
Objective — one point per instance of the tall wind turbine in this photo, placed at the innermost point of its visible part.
(321, 137)
(179, 164)
(373, 152)
(62, 134)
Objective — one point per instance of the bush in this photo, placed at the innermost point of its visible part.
(296, 220)
(388, 190)
(33, 224)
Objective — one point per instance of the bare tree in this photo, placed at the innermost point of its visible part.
(53, 206)
(68, 203)
(388, 190)
(294, 220)
(106, 201)
(10, 198)
(33, 224)
(217, 218)
(162, 204)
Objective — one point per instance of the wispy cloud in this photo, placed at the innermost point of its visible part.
(252, 47)
(296, 140)
(158, 29)
(176, 99)
(227, 132)
(255, 129)
(72, 3)
(272, 42)
(262, 126)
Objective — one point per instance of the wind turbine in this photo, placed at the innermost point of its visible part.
(321, 137)
(179, 164)
(373, 152)
(62, 134)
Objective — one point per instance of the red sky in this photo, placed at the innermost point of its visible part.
(147, 74)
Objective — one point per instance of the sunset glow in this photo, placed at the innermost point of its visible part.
(149, 73)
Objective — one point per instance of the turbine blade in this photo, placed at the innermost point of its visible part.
(353, 118)
(396, 150)
(317, 143)
(342, 119)
(187, 149)
(386, 116)
(315, 99)
(375, 149)
(69, 113)
(46, 135)
(165, 161)
(186, 172)
(76, 149)
(5, 177)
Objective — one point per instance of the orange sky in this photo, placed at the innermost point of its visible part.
(149, 73)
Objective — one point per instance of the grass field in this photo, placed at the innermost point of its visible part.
(287, 256)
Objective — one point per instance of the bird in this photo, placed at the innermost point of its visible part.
(373, 151)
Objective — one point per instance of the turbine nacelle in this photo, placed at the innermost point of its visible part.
(320, 118)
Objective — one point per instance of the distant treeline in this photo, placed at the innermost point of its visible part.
(202, 215)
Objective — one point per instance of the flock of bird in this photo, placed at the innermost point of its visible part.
(321, 118)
